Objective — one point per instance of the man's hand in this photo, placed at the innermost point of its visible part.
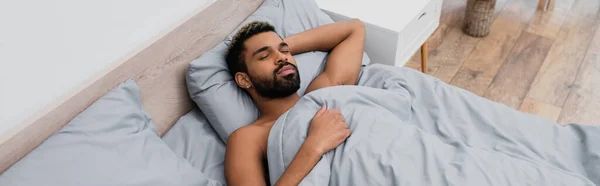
(328, 130)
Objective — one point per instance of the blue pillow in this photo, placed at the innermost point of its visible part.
(194, 139)
(226, 106)
(112, 142)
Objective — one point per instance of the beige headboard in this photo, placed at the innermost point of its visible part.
(158, 68)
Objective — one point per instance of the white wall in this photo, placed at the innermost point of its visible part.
(49, 47)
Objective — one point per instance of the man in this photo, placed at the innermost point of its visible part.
(262, 64)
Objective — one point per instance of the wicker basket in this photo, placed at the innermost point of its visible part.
(478, 17)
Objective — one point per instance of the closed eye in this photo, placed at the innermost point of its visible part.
(264, 57)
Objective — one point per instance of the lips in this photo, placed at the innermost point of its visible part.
(286, 70)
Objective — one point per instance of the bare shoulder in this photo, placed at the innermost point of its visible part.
(245, 133)
(250, 136)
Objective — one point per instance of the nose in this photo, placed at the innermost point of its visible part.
(281, 57)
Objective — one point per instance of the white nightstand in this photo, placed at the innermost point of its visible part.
(395, 29)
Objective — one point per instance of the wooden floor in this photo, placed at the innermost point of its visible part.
(545, 63)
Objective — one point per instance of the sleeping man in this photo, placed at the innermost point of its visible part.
(407, 128)
(261, 63)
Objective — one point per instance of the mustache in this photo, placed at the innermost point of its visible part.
(283, 64)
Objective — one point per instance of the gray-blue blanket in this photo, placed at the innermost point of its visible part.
(412, 129)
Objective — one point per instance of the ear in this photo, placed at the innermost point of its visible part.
(242, 80)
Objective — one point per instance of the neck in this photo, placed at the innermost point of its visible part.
(271, 109)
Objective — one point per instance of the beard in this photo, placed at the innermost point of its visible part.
(277, 87)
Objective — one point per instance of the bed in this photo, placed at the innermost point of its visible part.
(408, 128)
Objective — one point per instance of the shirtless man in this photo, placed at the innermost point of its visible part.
(262, 64)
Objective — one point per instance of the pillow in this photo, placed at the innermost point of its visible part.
(226, 106)
(112, 142)
(194, 139)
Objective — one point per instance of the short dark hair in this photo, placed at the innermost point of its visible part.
(235, 53)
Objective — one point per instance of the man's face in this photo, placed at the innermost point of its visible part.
(271, 68)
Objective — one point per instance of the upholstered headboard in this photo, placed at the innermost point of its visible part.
(158, 68)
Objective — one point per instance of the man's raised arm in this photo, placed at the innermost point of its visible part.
(345, 40)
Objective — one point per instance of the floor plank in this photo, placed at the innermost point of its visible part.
(555, 78)
(437, 37)
(583, 103)
(451, 19)
(514, 79)
(448, 58)
(414, 64)
(549, 23)
(541, 109)
(453, 12)
(433, 42)
(565, 87)
(482, 65)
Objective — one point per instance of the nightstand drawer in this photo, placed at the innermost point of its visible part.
(417, 31)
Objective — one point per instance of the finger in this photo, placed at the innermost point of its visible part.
(344, 135)
(336, 111)
(321, 111)
(341, 118)
(342, 125)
